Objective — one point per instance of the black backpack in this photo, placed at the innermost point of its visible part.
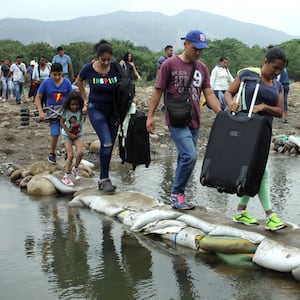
(134, 148)
(123, 94)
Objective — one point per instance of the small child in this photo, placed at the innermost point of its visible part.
(72, 130)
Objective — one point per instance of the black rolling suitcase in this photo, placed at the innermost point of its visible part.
(134, 147)
(237, 150)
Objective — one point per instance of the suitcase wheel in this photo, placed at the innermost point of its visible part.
(203, 181)
(240, 191)
(220, 190)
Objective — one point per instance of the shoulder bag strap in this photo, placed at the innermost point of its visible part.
(20, 69)
(187, 86)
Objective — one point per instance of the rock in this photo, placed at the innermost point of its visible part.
(26, 173)
(37, 168)
(44, 167)
(24, 182)
(95, 147)
(10, 170)
(85, 171)
(5, 124)
(40, 186)
(17, 174)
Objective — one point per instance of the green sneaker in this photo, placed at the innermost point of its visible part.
(244, 218)
(273, 223)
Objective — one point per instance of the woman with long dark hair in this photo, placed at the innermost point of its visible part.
(102, 76)
(128, 65)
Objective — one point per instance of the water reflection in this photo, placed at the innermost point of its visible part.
(107, 263)
(90, 256)
(158, 178)
(63, 248)
(102, 260)
(73, 253)
(285, 186)
(279, 179)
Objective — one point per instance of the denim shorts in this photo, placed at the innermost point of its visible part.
(65, 138)
(54, 128)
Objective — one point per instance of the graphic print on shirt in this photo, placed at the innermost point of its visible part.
(104, 81)
(197, 79)
(57, 97)
(196, 86)
(181, 79)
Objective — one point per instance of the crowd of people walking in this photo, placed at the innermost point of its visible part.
(50, 84)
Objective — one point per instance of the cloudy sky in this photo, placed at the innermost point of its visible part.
(281, 15)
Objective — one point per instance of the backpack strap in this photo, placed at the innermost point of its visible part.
(256, 72)
(125, 79)
(120, 70)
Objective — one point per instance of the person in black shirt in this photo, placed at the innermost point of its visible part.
(129, 66)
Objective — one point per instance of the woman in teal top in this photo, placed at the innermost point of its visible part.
(269, 103)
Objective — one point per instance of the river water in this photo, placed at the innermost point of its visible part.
(51, 251)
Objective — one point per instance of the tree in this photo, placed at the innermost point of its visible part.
(34, 50)
(81, 53)
(11, 49)
(239, 54)
(292, 49)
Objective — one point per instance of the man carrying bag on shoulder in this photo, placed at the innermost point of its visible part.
(173, 80)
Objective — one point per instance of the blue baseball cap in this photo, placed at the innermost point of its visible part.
(197, 38)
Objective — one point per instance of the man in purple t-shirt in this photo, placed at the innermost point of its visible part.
(172, 77)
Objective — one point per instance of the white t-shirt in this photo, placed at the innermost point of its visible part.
(18, 72)
(43, 74)
(220, 78)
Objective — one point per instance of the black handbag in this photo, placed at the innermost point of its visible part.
(180, 108)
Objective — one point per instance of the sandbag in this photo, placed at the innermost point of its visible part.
(275, 256)
(226, 244)
(164, 226)
(253, 237)
(150, 216)
(186, 237)
(197, 223)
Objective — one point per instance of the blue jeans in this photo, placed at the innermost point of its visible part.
(106, 127)
(220, 96)
(286, 89)
(7, 87)
(185, 140)
(18, 87)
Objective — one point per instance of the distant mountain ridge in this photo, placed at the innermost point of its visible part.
(150, 29)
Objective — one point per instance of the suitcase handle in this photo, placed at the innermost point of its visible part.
(238, 97)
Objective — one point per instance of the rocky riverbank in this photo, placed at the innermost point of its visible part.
(23, 145)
